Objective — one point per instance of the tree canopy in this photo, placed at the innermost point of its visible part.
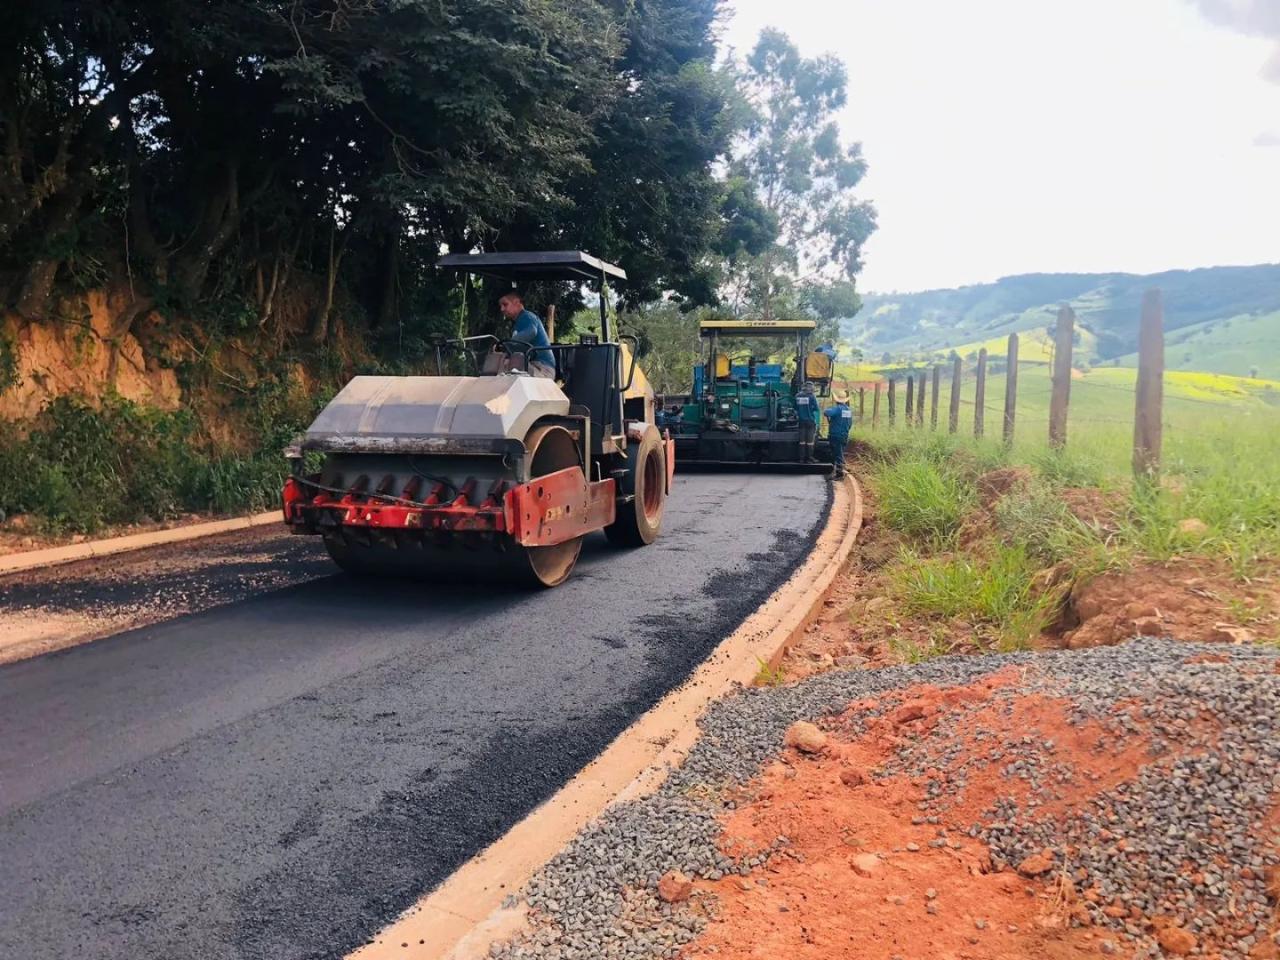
(224, 160)
(791, 151)
(288, 168)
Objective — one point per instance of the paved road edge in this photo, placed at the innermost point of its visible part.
(462, 917)
(55, 556)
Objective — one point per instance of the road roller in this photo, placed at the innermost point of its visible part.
(496, 474)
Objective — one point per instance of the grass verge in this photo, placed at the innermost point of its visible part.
(923, 498)
(993, 541)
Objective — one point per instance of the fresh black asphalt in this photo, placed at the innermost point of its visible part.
(280, 776)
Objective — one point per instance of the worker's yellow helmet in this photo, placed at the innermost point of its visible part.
(840, 396)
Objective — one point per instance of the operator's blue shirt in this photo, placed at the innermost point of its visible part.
(529, 329)
(841, 422)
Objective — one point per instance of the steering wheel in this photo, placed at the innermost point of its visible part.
(512, 349)
(504, 346)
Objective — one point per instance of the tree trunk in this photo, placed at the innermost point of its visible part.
(217, 224)
(37, 286)
(19, 200)
(281, 265)
(37, 289)
(768, 285)
(389, 304)
(266, 299)
(320, 332)
(220, 222)
(119, 330)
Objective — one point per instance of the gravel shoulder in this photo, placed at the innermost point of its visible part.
(19, 535)
(59, 607)
(1119, 801)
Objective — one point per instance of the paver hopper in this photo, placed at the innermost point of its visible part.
(497, 476)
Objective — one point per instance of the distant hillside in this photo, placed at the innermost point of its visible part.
(1244, 346)
(1226, 318)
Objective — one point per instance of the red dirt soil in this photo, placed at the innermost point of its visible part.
(810, 902)
(1192, 600)
(851, 801)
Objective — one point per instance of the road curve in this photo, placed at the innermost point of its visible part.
(279, 776)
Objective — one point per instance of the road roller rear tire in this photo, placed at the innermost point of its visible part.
(639, 521)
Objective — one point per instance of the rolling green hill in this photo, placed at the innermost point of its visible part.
(1227, 319)
(1244, 346)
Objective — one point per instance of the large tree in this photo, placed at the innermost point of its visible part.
(231, 161)
(805, 176)
(647, 197)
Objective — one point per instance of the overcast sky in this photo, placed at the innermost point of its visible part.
(1014, 136)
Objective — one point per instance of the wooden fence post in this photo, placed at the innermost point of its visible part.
(980, 395)
(893, 407)
(551, 322)
(875, 406)
(933, 400)
(862, 404)
(1061, 397)
(1147, 426)
(911, 410)
(922, 389)
(957, 373)
(1010, 389)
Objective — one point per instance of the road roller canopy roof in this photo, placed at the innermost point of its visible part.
(538, 265)
(755, 328)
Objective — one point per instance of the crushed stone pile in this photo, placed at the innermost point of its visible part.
(1122, 800)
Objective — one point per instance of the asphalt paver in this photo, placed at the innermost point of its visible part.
(281, 775)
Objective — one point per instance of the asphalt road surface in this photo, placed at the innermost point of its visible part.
(280, 774)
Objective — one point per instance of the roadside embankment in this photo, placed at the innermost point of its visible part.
(965, 553)
(1117, 801)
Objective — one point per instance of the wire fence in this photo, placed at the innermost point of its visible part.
(1024, 398)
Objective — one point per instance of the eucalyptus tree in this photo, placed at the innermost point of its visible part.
(791, 149)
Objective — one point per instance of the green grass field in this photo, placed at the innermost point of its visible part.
(1221, 461)
(1034, 347)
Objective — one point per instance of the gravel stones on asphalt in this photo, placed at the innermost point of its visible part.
(1178, 858)
(113, 593)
